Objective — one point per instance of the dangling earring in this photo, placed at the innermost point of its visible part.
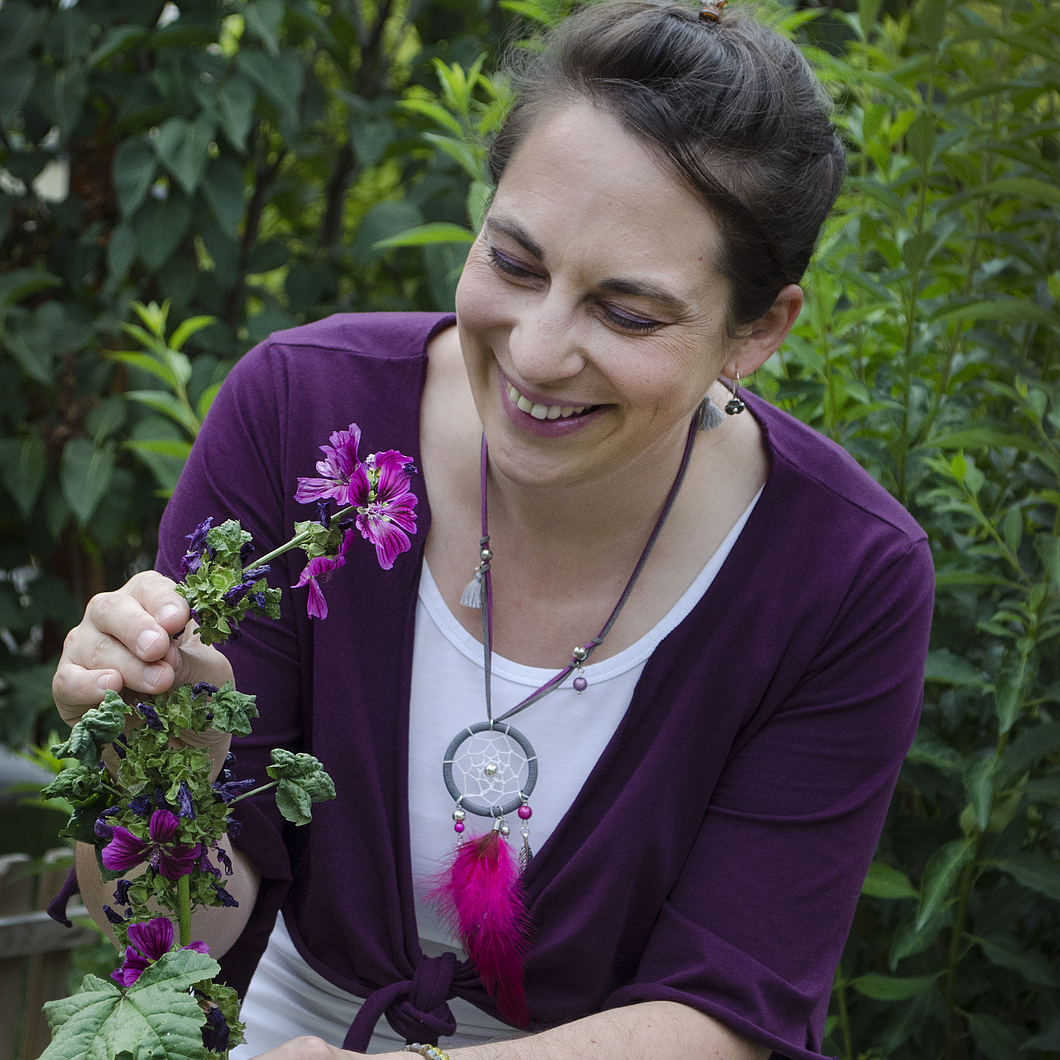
(734, 406)
(709, 415)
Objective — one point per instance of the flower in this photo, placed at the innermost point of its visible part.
(193, 557)
(337, 469)
(148, 942)
(215, 1031)
(150, 715)
(386, 517)
(172, 860)
(321, 567)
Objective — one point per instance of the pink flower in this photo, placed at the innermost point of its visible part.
(337, 470)
(322, 568)
(385, 516)
(172, 860)
(148, 942)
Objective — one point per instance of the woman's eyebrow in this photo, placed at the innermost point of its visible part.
(611, 285)
(641, 289)
(516, 231)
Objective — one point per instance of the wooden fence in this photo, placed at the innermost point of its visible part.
(34, 951)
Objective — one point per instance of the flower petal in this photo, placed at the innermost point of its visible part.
(163, 826)
(153, 937)
(124, 851)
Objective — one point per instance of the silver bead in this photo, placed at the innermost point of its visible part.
(458, 814)
(504, 829)
(491, 769)
(486, 555)
(580, 654)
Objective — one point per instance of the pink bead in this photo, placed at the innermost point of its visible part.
(525, 813)
(580, 684)
(459, 826)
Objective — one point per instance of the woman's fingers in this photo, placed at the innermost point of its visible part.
(124, 640)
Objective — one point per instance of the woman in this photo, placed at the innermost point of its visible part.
(709, 801)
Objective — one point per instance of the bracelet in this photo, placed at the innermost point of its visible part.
(428, 1052)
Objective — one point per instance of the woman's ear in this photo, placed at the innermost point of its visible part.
(766, 334)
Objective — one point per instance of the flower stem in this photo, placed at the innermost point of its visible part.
(184, 908)
(254, 791)
(298, 539)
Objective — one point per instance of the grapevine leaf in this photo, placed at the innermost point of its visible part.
(302, 782)
(158, 1016)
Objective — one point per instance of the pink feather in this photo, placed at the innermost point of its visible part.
(482, 899)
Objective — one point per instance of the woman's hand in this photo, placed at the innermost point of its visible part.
(138, 638)
(309, 1048)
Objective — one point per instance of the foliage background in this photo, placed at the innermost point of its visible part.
(253, 164)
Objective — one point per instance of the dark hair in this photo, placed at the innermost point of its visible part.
(731, 106)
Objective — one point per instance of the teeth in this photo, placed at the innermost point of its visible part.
(543, 412)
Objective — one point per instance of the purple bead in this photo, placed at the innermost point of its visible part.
(459, 826)
(580, 684)
(525, 813)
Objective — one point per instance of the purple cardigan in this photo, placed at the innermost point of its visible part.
(715, 854)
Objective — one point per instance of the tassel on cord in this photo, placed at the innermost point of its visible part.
(482, 899)
(472, 594)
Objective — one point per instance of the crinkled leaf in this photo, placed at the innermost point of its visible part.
(76, 784)
(97, 728)
(232, 710)
(303, 781)
(158, 1016)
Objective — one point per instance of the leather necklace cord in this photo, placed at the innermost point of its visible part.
(586, 649)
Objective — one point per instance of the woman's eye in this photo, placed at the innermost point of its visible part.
(509, 266)
(627, 322)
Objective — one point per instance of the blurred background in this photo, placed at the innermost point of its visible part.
(179, 180)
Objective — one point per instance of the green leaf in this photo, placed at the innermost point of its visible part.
(892, 987)
(232, 710)
(279, 77)
(145, 362)
(169, 406)
(159, 225)
(423, 235)
(84, 475)
(1027, 750)
(1030, 963)
(942, 872)
(135, 165)
(97, 727)
(223, 187)
(995, 1040)
(979, 782)
(235, 101)
(263, 18)
(117, 39)
(883, 881)
(946, 668)
(185, 331)
(1004, 308)
(1033, 870)
(183, 146)
(302, 782)
(1016, 675)
(158, 1016)
(23, 464)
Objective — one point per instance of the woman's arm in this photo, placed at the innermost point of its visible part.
(651, 1030)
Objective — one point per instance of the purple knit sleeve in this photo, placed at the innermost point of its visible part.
(753, 930)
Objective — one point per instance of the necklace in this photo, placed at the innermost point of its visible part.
(490, 770)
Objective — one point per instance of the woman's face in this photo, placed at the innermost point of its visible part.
(591, 314)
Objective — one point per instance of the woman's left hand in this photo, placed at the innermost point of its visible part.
(310, 1048)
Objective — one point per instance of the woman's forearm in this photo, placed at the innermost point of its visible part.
(651, 1030)
(218, 927)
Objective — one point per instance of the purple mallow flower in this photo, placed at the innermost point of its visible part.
(121, 892)
(229, 790)
(140, 805)
(387, 520)
(150, 715)
(337, 469)
(322, 568)
(172, 860)
(148, 942)
(226, 899)
(185, 807)
(192, 560)
(202, 688)
(215, 1032)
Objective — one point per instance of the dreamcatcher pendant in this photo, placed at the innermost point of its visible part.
(490, 770)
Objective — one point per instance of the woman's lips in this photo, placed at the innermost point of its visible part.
(541, 419)
(544, 412)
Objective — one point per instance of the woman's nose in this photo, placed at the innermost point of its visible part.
(546, 343)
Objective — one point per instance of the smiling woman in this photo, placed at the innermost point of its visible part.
(671, 658)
